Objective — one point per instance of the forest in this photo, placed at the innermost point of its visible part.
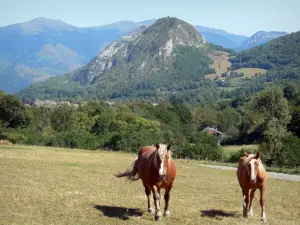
(269, 118)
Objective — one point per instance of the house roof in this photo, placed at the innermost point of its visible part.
(211, 130)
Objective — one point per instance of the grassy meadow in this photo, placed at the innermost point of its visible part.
(221, 64)
(43, 185)
(234, 148)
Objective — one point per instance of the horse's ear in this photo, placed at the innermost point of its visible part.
(157, 145)
(257, 155)
(246, 154)
(169, 147)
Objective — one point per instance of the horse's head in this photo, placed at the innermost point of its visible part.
(253, 166)
(163, 157)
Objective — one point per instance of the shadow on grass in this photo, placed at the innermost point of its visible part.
(218, 214)
(118, 212)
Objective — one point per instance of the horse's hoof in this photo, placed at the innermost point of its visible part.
(251, 213)
(158, 215)
(157, 218)
(264, 220)
(167, 213)
(151, 210)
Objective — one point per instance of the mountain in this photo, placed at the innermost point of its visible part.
(127, 25)
(277, 54)
(154, 62)
(260, 38)
(279, 57)
(222, 37)
(42, 48)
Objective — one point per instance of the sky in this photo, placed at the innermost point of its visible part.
(235, 16)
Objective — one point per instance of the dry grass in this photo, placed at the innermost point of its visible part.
(58, 186)
(5, 142)
(220, 64)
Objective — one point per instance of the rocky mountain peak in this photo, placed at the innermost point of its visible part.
(144, 51)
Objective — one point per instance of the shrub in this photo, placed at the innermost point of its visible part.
(234, 157)
(201, 146)
(13, 137)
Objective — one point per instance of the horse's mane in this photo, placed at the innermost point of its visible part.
(155, 154)
(246, 159)
(153, 159)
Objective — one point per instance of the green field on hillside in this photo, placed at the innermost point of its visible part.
(250, 72)
(42, 185)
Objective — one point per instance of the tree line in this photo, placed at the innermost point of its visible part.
(270, 118)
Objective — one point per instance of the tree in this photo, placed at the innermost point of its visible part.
(205, 116)
(268, 112)
(64, 117)
(228, 118)
(12, 112)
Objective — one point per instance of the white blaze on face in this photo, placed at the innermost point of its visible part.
(161, 169)
(161, 156)
(252, 174)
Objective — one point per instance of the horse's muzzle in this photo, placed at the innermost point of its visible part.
(253, 181)
(163, 177)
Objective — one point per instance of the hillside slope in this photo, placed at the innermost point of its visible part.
(276, 54)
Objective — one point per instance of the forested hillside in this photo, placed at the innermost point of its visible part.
(277, 54)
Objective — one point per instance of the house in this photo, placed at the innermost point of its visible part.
(214, 131)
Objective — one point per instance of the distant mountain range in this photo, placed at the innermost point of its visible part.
(259, 38)
(42, 48)
(152, 62)
(222, 37)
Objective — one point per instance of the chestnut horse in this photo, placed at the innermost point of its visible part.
(252, 175)
(155, 167)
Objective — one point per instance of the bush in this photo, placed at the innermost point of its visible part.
(234, 157)
(14, 137)
(287, 156)
(291, 151)
(201, 146)
(74, 139)
(132, 139)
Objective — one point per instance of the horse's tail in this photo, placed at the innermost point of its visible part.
(131, 174)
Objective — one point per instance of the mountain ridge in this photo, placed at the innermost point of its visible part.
(259, 38)
(43, 47)
(154, 60)
(222, 37)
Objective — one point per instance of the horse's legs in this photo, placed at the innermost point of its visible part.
(156, 197)
(167, 198)
(251, 199)
(246, 202)
(262, 190)
(148, 193)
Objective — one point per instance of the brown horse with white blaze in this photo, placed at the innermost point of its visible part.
(252, 175)
(155, 167)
